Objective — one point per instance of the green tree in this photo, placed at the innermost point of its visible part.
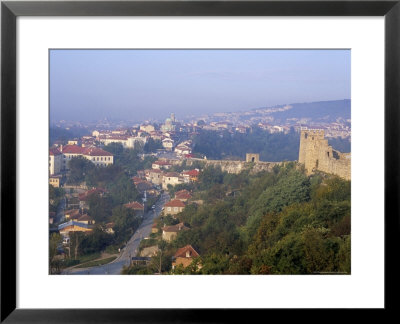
(54, 243)
(114, 148)
(122, 190)
(152, 145)
(79, 167)
(100, 208)
(126, 222)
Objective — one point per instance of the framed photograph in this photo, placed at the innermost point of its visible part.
(242, 154)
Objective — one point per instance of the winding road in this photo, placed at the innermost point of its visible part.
(130, 249)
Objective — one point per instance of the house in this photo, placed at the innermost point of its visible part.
(168, 144)
(191, 175)
(182, 149)
(183, 195)
(137, 207)
(154, 228)
(74, 142)
(149, 251)
(171, 178)
(72, 214)
(86, 219)
(174, 207)
(55, 181)
(161, 164)
(73, 226)
(55, 161)
(98, 156)
(147, 128)
(184, 256)
(109, 228)
(156, 135)
(169, 233)
(155, 176)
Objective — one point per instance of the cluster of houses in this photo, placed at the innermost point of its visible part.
(159, 175)
(89, 147)
(77, 220)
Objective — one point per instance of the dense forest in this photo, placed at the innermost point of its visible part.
(271, 147)
(281, 222)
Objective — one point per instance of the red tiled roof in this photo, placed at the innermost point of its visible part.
(183, 195)
(182, 191)
(175, 228)
(84, 196)
(182, 252)
(175, 203)
(91, 151)
(192, 173)
(134, 205)
(73, 149)
(95, 151)
(54, 151)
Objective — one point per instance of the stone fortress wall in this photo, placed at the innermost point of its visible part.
(316, 154)
(235, 166)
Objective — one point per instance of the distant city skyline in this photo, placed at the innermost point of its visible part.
(136, 85)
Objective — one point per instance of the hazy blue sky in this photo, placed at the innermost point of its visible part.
(143, 84)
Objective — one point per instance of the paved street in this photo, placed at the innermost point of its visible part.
(132, 246)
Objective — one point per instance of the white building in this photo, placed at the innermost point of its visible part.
(168, 144)
(125, 141)
(96, 155)
(147, 128)
(172, 178)
(55, 161)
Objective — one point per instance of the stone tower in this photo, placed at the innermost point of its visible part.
(252, 157)
(316, 154)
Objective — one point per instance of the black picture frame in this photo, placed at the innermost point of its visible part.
(10, 10)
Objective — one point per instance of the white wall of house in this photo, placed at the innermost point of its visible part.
(55, 164)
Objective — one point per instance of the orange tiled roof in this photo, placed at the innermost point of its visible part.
(183, 195)
(182, 252)
(134, 205)
(192, 173)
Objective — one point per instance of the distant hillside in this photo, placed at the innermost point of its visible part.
(321, 111)
(63, 134)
